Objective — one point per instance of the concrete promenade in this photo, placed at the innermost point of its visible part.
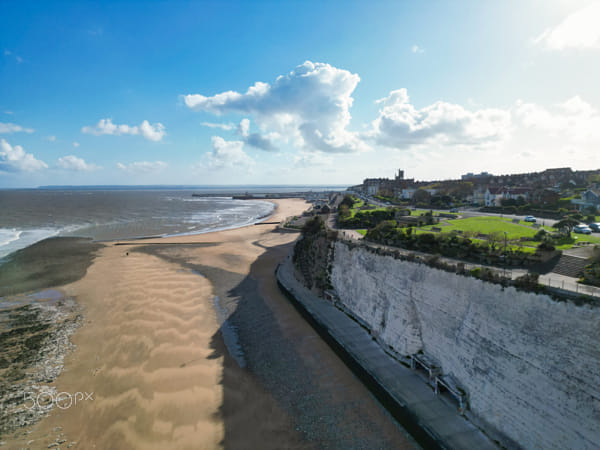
(432, 419)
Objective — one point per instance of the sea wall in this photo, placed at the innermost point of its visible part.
(529, 364)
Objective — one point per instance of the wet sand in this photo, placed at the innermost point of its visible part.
(187, 342)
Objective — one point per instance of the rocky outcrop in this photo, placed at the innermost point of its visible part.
(529, 364)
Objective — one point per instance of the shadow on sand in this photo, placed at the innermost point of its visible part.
(282, 386)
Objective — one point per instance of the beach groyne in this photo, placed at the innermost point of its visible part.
(528, 365)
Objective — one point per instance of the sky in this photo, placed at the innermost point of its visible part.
(294, 92)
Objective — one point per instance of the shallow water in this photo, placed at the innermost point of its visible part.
(28, 216)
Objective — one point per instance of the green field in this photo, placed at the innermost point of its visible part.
(488, 225)
(515, 231)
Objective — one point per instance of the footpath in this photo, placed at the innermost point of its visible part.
(433, 420)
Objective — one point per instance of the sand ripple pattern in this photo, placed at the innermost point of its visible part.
(155, 383)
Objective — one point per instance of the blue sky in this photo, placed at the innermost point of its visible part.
(294, 92)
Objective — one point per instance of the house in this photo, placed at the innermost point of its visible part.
(590, 198)
(408, 193)
(493, 196)
(516, 193)
(479, 196)
(545, 196)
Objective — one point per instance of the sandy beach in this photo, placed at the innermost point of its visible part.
(187, 342)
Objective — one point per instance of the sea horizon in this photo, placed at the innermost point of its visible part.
(241, 187)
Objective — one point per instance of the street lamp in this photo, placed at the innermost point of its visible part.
(505, 235)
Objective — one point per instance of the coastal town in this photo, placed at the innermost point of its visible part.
(542, 227)
(472, 292)
(543, 190)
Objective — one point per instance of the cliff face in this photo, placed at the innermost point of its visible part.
(530, 365)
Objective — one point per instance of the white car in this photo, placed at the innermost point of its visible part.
(582, 229)
(529, 219)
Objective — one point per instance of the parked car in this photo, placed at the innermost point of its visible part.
(530, 219)
(454, 210)
(582, 229)
(594, 226)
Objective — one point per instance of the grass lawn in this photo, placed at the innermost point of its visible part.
(362, 231)
(488, 225)
(357, 205)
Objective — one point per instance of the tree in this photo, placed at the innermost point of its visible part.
(493, 238)
(566, 225)
(313, 226)
(421, 196)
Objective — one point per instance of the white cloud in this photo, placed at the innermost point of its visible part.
(227, 154)
(71, 162)
(309, 106)
(51, 138)
(257, 140)
(222, 126)
(17, 57)
(574, 119)
(312, 159)
(143, 166)
(401, 125)
(75, 144)
(153, 132)
(15, 159)
(13, 128)
(580, 29)
(416, 49)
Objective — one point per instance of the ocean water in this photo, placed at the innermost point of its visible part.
(28, 216)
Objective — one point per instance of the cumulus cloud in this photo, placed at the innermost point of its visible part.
(227, 154)
(310, 106)
(15, 159)
(578, 30)
(51, 138)
(222, 126)
(401, 125)
(574, 118)
(416, 49)
(13, 128)
(143, 166)
(71, 162)
(257, 140)
(154, 132)
(75, 144)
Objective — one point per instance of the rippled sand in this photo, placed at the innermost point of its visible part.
(153, 352)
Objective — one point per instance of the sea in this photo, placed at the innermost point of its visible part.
(116, 212)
